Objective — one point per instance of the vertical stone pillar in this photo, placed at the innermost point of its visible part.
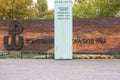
(63, 29)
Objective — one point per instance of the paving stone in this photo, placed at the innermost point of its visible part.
(48, 69)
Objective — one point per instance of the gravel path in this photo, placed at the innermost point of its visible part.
(59, 69)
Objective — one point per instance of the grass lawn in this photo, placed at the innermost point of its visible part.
(43, 55)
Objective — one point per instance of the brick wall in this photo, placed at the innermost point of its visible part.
(89, 35)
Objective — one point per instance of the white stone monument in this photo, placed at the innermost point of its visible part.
(63, 29)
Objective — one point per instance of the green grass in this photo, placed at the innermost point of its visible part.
(42, 55)
(12, 56)
(19, 55)
(1, 57)
(116, 55)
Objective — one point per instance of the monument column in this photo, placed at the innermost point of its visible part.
(63, 29)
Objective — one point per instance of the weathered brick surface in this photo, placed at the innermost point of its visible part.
(89, 35)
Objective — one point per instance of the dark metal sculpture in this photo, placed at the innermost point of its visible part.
(16, 28)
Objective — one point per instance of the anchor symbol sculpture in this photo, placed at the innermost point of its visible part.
(16, 28)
